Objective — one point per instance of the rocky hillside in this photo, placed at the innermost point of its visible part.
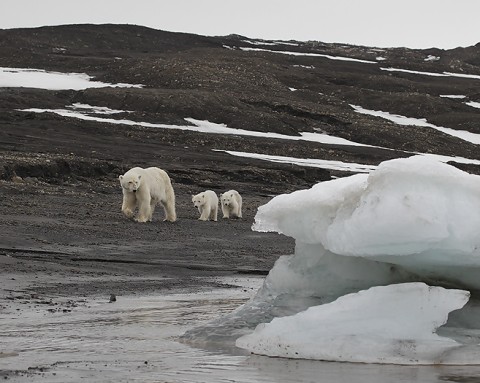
(283, 87)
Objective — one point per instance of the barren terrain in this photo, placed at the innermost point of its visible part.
(63, 238)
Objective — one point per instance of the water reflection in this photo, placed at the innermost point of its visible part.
(137, 339)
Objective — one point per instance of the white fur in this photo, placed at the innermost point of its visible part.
(231, 204)
(207, 205)
(144, 189)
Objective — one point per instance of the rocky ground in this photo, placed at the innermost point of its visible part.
(62, 233)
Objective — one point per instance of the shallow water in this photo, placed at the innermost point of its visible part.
(136, 340)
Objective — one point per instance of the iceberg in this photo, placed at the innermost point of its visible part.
(387, 324)
(385, 270)
(416, 213)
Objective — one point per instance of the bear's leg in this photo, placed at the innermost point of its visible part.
(144, 211)
(232, 210)
(169, 208)
(225, 211)
(239, 209)
(214, 214)
(205, 213)
(152, 209)
(128, 204)
(169, 205)
(239, 206)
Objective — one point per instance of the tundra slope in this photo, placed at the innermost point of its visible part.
(59, 176)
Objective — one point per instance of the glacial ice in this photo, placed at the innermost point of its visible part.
(417, 213)
(381, 261)
(384, 324)
(371, 254)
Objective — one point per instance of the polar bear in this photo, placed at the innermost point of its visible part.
(231, 202)
(207, 205)
(144, 189)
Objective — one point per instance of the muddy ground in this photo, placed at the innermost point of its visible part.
(72, 241)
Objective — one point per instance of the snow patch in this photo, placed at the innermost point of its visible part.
(86, 108)
(473, 104)
(304, 66)
(200, 126)
(311, 162)
(435, 74)
(330, 57)
(41, 79)
(474, 138)
(452, 96)
(263, 42)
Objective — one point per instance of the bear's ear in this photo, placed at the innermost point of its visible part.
(139, 177)
(120, 178)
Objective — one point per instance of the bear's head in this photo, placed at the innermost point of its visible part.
(130, 182)
(227, 199)
(198, 200)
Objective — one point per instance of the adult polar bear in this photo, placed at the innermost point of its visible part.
(144, 189)
(231, 202)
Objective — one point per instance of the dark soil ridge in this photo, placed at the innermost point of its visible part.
(187, 75)
(59, 176)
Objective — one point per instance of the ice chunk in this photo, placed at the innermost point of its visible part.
(410, 223)
(416, 213)
(388, 324)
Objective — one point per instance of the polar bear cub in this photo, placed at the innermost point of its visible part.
(144, 189)
(207, 205)
(231, 202)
